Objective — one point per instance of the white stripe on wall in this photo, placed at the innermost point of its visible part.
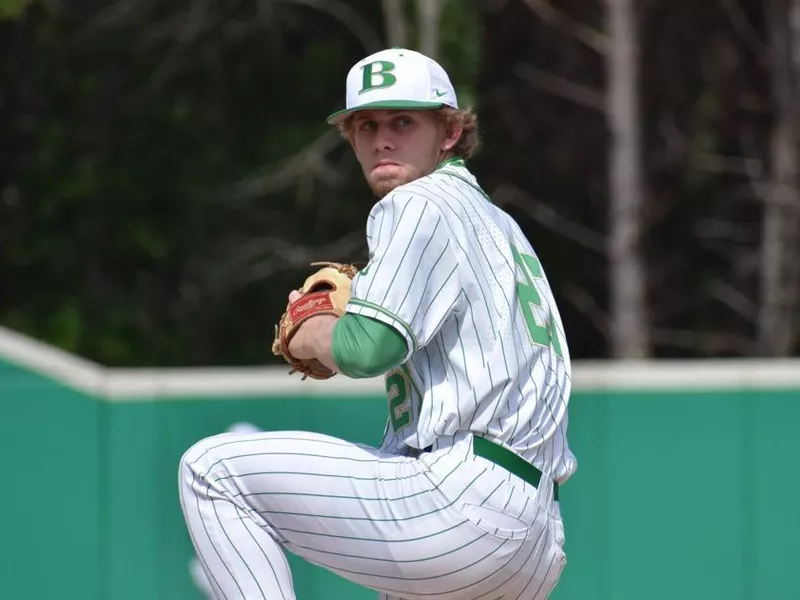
(150, 384)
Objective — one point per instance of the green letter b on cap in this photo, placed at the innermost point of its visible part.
(380, 70)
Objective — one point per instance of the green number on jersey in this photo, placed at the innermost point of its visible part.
(528, 296)
(399, 394)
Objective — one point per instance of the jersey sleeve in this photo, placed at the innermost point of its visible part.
(411, 281)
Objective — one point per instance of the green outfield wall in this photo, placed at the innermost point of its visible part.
(686, 487)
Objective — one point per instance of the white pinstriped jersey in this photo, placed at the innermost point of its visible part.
(455, 275)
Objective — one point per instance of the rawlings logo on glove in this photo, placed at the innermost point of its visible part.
(306, 304)
(325, 292)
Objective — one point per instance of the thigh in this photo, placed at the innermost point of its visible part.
(377, 519)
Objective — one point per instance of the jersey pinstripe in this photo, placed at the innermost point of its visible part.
(456, 276)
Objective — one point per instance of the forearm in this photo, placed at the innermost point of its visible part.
(364, 347)
(353, 345)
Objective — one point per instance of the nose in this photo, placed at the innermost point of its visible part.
(384, 139)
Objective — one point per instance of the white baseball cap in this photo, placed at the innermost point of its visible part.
(396, 78)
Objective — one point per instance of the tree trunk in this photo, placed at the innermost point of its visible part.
(628, 303)
(394, 18)
(429, 12)
(780, 243)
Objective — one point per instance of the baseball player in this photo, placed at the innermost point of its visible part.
(460, 501)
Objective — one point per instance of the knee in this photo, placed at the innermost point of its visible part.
(200, 461)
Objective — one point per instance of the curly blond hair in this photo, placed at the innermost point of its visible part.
(449, 117)
(468, 143)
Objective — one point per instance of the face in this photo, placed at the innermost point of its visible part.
(395, 146)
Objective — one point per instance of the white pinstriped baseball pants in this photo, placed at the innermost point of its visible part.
(442, 526)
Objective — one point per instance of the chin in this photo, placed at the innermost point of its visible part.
(383, 185)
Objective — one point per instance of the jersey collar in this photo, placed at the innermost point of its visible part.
(468, 178)
(455, 161)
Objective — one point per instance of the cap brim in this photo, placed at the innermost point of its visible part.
(341, 115)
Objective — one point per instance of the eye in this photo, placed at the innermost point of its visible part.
(403, 121)
(368, 126)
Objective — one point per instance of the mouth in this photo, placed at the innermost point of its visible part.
(385, 164)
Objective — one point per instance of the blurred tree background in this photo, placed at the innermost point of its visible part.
(166, 174)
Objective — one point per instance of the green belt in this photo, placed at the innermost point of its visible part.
(511, 462)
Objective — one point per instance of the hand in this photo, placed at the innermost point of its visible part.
(300, 332)
(302, 345)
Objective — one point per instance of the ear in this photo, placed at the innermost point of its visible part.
(451, 137)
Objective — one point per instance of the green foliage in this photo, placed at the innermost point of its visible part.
(461, 48)
(706, 118)
(12, 9)
(165, 176)
(119, 222)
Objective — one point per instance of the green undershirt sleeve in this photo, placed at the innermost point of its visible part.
(365, 347)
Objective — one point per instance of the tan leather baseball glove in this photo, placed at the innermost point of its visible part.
(324, 292)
